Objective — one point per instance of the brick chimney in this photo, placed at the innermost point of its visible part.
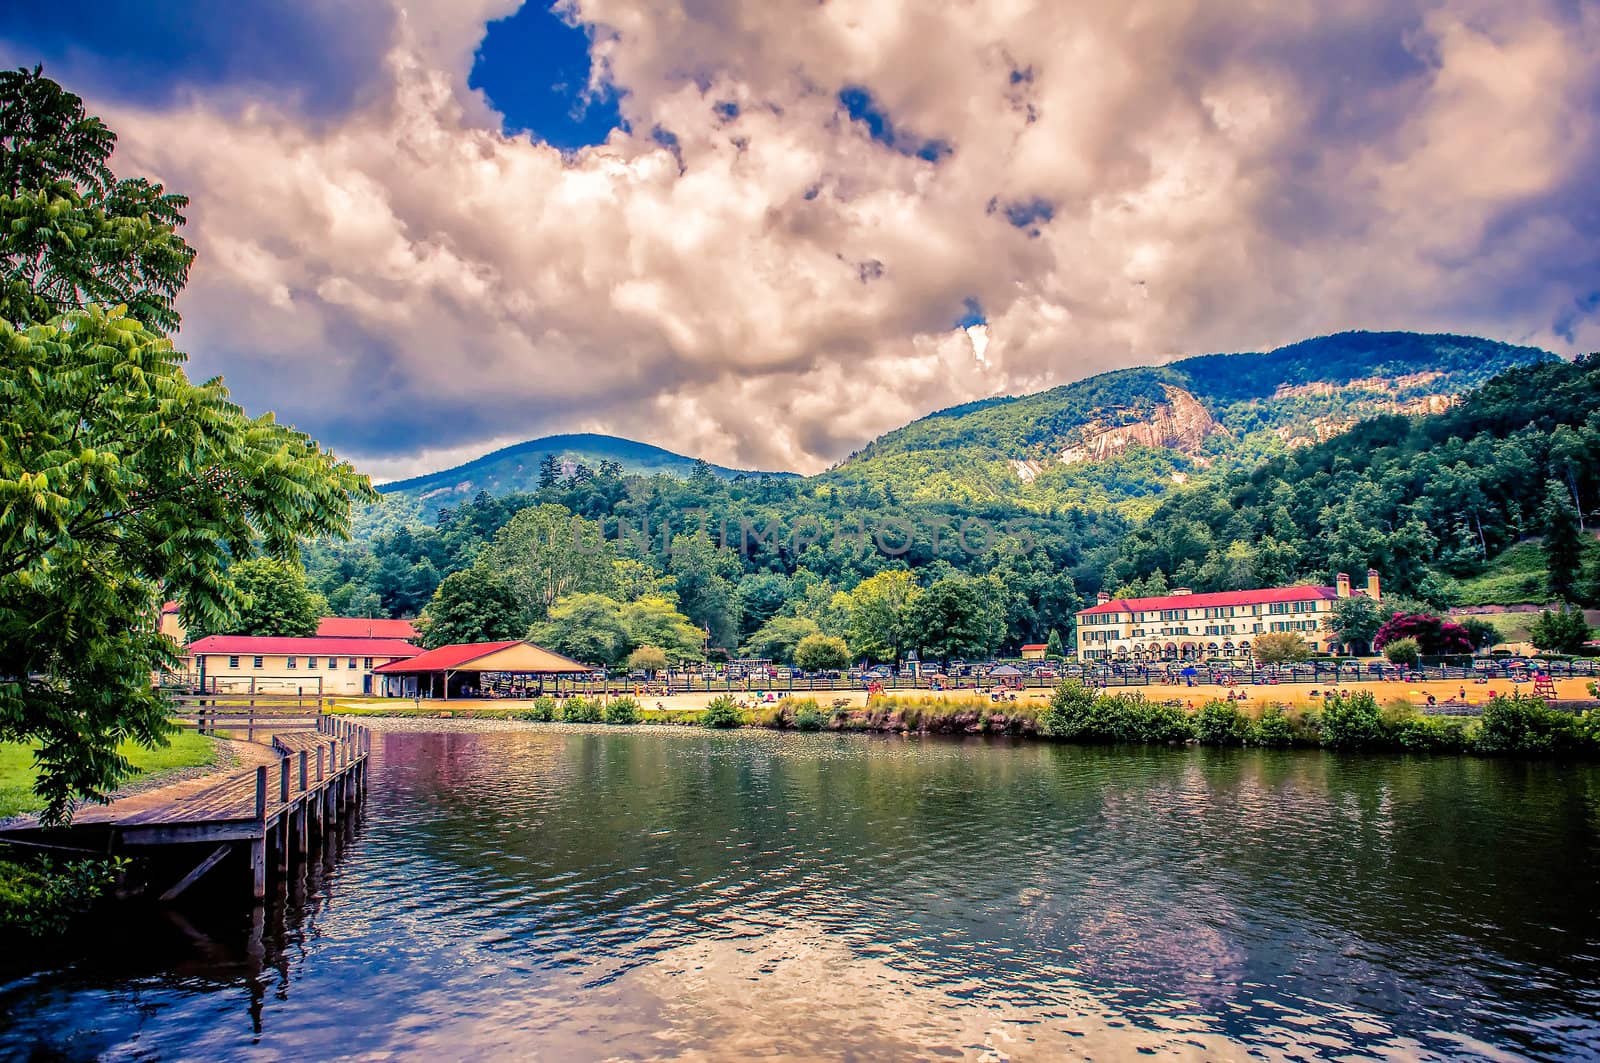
(1102, 598)
(1373, 590)
(1342, 584)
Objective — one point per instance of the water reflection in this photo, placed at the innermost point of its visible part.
(600, 894)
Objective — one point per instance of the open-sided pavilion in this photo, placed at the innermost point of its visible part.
(444, 672)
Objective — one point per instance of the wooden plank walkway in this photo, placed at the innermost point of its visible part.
(320, 774)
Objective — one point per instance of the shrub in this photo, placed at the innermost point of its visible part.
(1074, 713)
(722, 712)
(1420, 734)
(622, 711)
(807, 715)
(1353, 722)
(1273, 730)
(541, 709)
(1524, 725)
(581, 710)
(1220, 723)
(1078, 714)
(1403, 651)
(40, 898)
(1134, 719)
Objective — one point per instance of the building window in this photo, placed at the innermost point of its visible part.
(257, 663)
(289, 662)
(367, 663)
(351, 662)
(233, 662)
(311, 662)
(333, 664)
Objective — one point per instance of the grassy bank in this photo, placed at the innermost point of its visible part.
(187, 750)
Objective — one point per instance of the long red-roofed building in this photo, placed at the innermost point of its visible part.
(361, 627)
(1183, 626)
(313, 664)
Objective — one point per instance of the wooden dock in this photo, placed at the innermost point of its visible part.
(320, 776)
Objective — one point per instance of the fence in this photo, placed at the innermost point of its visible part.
(1115, 675)
(236, 714)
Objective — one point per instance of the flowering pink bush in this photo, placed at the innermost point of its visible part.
(1434, 635)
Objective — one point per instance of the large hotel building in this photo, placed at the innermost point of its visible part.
(1183, 626)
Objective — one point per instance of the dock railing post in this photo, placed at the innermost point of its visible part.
(283, 781)
(258, 843)
(304, 772)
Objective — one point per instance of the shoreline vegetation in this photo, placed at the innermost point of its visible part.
(1346, 722)
(41, 896)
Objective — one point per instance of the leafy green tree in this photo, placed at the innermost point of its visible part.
(273, 600)
(880, 612)
(1355, 621)
(959, 616)
(472, 605)
(649, 659)
(1563, 544)
(1562, 631)
(585, 627)
(121, 484)
(761, 597)
(705, 576)
(1482, 633)
(1404, 651)
(818, 652)
(657, 622)
(71, 234)
(778, 638)
(546, 552)
(1280, 647)
(632, 579)
(1053, 646)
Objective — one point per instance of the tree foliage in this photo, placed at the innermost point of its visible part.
(472, 605)
(71, 234)
(122, 484)
(1564, 630)
(273, 600)
(1280, 647)
(818, 652)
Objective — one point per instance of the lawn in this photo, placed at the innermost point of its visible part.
(187, 750)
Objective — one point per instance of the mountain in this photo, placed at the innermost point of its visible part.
(1125, 438)
(516, 468)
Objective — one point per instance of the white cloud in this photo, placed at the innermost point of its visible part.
(410, 283)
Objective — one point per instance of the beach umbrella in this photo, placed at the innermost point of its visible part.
(1191, 670)
(1517, 664)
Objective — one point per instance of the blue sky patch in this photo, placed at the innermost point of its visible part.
(534, 67)
(971, 313)
(860, 105)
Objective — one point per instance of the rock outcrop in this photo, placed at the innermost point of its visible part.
(1180, 424)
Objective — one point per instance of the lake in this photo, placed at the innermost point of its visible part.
(567, 893)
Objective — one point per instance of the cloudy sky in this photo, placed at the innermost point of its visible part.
(764, 232)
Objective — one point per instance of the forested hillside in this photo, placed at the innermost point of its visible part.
(755, 563)
(1426, 500)
(1134, 435)
(538, 462)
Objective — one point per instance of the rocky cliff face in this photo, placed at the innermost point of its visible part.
(1316, 429)
(1180, 424)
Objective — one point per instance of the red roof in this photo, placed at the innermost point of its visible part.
(447, 657)
(347, 627)
(314, 646)
(1213, 599)
(169, 607)
(1037, 646)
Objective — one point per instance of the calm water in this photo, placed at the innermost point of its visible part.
(566, 895)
